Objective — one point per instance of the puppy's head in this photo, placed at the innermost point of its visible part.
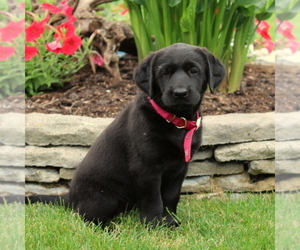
(178, 75)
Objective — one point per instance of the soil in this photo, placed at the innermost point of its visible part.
(97, 95)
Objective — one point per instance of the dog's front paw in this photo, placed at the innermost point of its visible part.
(171, 222)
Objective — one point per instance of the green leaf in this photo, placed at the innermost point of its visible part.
(248, 3)
(286, 16)
(267, 13)
(201, 4)
(173, 3)
(286, 10)
(141, 2)
(287, 5)
(263, 16)
(188, 17)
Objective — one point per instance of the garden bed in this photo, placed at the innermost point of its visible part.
(97, 95)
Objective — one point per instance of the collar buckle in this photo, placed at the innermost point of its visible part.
(173, 118)
(185, 123)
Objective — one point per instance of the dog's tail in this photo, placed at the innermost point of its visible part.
(12, 198)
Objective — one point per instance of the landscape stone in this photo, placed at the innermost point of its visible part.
(214, 168)
(290, 184)
(46, 175)
(233, 128)
(12, 129)
(11, 156)
(12, 188)
(56, 129)
(233, 183)
(66, 174)
(288, 166)
(262, 167)
(267, 184)
(57, 143)
(287, 150)
(246, 151)
(287, 126)
(12, 174)
(60, 156)
(45, 189)
(203, 154)
(197, 185)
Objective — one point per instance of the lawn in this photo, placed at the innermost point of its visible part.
(231, 222)
(12, 227)
(287, 221)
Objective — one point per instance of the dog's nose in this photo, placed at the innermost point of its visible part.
(180, 92)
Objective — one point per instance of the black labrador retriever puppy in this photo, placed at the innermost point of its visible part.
(141, 158)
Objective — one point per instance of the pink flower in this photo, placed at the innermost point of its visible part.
(263, 29)
(293, 45)
(6, 52)
(269, 45)
(98, 59)
(54, 46)
(286, 30)
(30, 51)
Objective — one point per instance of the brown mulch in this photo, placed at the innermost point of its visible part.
(97, 95)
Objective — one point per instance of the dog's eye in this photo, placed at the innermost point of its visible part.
(193, 71)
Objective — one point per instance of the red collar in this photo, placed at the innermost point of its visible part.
(180, 123)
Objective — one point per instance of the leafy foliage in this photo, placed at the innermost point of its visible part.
(11, 52)
(225, 27)
(53, 53)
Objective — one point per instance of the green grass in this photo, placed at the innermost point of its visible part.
(12, 226)
(243, 223)
(287, 221)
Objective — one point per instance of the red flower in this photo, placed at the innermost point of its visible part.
(52, 8)
(54, 46)
(34, 31)
(66, 9)
(64, 30)
(6, 52)
(286, 29)
(293, 45)
(263, 29)
(11, 31)
(30, 51)
(124, 11)
(71, 44)
(269, 45)
(46, 19)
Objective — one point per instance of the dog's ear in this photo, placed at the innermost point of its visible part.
(143, 74)
(215, 69)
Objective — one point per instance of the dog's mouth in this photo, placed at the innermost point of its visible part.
(181, 103)
(181, 107)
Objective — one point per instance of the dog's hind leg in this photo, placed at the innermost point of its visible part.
(99, 208)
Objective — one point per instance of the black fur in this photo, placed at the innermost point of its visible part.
(138, 160)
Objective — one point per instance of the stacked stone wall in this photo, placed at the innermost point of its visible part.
(237, 152)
